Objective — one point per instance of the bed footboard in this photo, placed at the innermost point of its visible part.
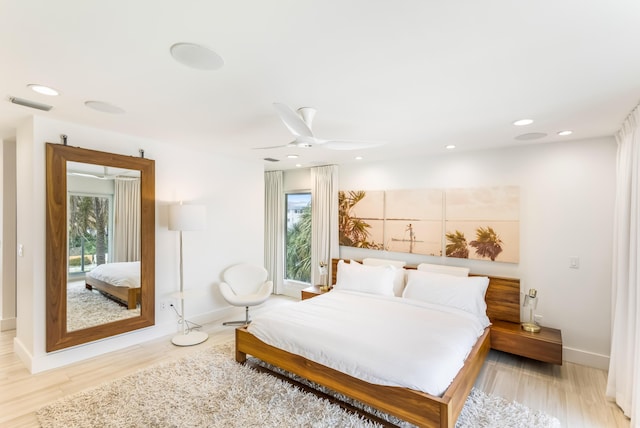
(416, 407)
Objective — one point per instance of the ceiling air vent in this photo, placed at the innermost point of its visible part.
(272, 160)
(29, 103)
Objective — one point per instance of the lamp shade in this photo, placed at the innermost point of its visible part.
(187, 217)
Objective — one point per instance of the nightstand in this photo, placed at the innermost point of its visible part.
(544, 346)
(312, 291)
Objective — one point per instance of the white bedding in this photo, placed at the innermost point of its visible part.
(384, 340)
(123, 274)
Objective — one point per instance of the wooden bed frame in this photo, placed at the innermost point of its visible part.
(127, 296)
(424, 410)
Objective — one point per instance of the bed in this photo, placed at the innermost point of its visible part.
(405, 401)
(118, 281)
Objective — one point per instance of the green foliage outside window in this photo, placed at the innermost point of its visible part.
(299, 248)
(88, 228)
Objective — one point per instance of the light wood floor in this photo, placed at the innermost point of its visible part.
(572, 393)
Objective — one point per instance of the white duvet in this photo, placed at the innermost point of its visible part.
(380, 339)
(123, 274)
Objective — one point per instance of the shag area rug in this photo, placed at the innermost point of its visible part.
(209, 389)
(88, 308)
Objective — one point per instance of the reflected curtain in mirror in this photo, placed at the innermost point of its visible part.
(126, 232)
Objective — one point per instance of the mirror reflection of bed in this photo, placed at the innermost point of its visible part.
(104, 245)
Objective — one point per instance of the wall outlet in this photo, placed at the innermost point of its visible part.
(164, 305)
(537, 319)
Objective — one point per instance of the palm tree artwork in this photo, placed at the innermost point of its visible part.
(487, 243)
(457, 245)
(353, 231)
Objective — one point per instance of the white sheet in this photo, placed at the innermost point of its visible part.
(123, 274)
(380, 339)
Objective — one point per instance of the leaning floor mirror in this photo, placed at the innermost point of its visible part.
(100, 253)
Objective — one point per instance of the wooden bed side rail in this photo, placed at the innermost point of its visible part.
(502, 297)
(416, 407)
(459, 389)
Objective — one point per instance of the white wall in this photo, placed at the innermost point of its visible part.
(8, 235)
(567, 195)
(234, 231)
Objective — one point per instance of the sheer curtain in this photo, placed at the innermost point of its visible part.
(126, 230)
(623, 384)
(324, 217)
(274, 228)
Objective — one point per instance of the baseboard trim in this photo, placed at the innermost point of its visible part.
(7, 324)
(585, 358)
(23, 354)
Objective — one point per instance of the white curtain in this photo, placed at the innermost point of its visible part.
(623, 384)
(126, 230)
(324, 218)
(274, 221)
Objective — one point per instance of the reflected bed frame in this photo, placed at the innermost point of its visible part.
(419, 408)
(127, 296)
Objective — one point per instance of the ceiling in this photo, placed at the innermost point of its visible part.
(414, 74)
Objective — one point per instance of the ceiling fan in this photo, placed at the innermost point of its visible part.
(299, 124)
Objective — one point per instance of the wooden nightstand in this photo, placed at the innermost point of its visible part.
(543, 346)
(312, 291)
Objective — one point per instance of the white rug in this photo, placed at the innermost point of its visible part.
(88, 308)
(209, 389)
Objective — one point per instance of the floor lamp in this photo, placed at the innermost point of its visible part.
(186, 218)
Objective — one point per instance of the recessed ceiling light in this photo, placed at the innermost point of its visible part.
(298, 165)
(523, 122)
(44, 90)
(531, 136)
(450, 146)
(104, 107)
(292, 156)
(358, 158)
(196, 56)
(564, 133)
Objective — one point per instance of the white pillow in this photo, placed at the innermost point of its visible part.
(368, 279)
(448, 270)
(466, 293)
(399, 278)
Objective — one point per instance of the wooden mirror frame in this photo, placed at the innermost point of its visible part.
(57, 156)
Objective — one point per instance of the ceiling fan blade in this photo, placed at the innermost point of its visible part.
(349, 144)
(291, 144)
(293, 121)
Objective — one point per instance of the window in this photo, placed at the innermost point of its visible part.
(89, 227)
(298, 237)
